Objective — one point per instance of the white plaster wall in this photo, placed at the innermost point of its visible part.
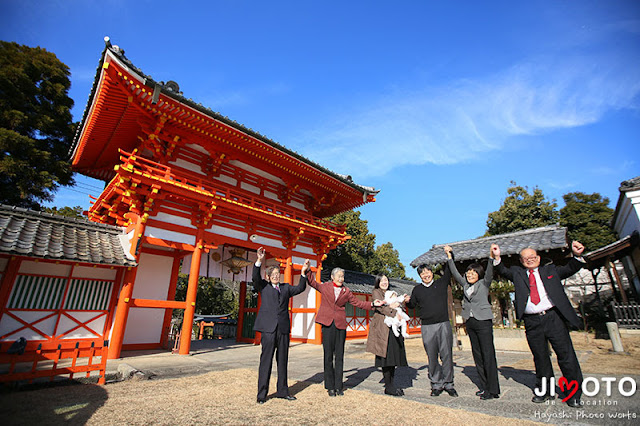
(198, 148)
(302, 323)
(177, 220)
(8, 324)
(163, 234)
(250, 188)
(44, 268)
(629, 216)
(297, 205)
(187, 165)
(305, 249)
(144, 325)
(300, 260)
(229, 232)
(271, 195)
(303, 326)
(256, 171)
(94, 273)
(226, 179)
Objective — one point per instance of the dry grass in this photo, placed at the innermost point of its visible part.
(596, 356)
(221, 398)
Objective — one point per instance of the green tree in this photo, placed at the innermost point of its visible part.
(522, 210)
(75, 212)
(587, 218)
(213, 297)
(36, 128)
(357, 252)
(387, 261)
(360, 253)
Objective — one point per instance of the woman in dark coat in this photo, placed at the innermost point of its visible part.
(388, 349)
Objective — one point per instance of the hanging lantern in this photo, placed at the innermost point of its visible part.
(236, 262)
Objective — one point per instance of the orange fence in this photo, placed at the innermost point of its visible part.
(54, 359)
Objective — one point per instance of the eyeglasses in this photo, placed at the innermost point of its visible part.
(530, 258)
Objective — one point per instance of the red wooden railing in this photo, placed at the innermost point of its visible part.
(52, 359)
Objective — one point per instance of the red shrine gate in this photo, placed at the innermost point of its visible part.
(186, 183)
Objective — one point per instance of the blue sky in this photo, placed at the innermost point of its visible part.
(437, 104)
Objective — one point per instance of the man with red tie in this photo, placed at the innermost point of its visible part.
(545, 308)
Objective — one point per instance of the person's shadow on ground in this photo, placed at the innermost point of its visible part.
(406, 376)
(355, 376)
(524, 377)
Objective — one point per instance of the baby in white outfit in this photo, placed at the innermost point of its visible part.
(398, 323)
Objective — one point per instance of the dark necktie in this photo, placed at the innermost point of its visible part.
(533, 287)
(278, 287)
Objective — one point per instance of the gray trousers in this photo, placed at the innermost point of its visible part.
(438, 341)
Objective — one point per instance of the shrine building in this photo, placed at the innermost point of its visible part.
(193, 187)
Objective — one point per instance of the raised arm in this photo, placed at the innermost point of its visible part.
(312, 281)
(488, 275)
(497, 262)
(575, 263)
(258, 282)
(362, 304)
(452, 267)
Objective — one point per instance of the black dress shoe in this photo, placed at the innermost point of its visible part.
(436, 392)
(480, 392)
(261, 401)
(573, 402)
(451, 392)
(331, 392)
(288, 398)
(489, 395)
(339, 392)
(393, 392)
(540, 399)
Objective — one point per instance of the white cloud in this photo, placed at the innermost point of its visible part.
(456, 122)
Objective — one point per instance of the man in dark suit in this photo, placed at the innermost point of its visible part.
(545, 308)
(274, 324)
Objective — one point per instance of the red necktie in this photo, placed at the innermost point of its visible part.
(533, 287)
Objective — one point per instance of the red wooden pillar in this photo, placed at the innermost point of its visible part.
(171, 295)
(288, 278)
(122, 313)
(8, 278)
(318, 332)
(192, 291)
(122, 310)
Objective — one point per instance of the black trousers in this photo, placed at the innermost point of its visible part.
(551, 328)
(277, 343)
(388, 374)
(333, 345)
(484, 353)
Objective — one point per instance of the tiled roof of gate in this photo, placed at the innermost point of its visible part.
(359, 282)
(630, 185)
(544, 238)
(30, 233)
(169, 91)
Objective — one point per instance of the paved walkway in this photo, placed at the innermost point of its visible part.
(305, 364)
